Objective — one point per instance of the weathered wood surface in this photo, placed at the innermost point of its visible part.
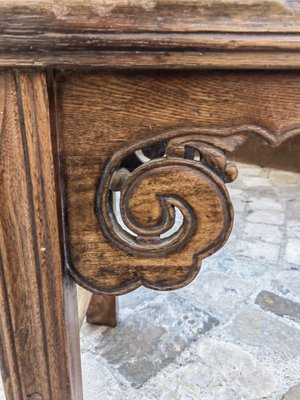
(150, 33)
(84, 298)
(155, 59)
(39, 343)
(106, 117)
(285, 157)
(103, 310)
(98, 309)
(23, 16)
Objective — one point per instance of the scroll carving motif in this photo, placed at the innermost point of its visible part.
(162, 206)
(143, 167)
(187, 178)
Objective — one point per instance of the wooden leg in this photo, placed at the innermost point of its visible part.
(103, 310)
(39, 343)
(99, 309)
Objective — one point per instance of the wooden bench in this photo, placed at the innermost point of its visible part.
(116, 118)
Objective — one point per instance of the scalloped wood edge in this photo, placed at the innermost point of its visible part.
(226, 139)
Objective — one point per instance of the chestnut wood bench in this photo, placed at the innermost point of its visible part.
(116, 118)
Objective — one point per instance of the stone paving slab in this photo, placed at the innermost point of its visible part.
(195, 381)
(255, 327)
(293, 229)
(255, 181)
(293, 393)
(217, 292)
(258, 251)
(268, 216)
(263, 232)
(258, 203)
(152, 337)
(241, 371)
(99, 382)
(269, 301)
(234, 266)
(287, 282)
(293, 207)
(292, 251)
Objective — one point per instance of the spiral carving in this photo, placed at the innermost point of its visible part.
(159, 208)
(188, 179)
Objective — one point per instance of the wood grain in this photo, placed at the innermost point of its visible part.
(253, 153)
(39, 348)
(150, 33)
(143, 59)
(98, 309)
(21, 17)
(103, 310)
(84, 298)
(106, 116)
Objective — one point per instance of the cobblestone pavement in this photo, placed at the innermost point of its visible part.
(233, 333)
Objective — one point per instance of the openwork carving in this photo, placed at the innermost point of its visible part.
(161, 207)
(183, 173)
(181, 177)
